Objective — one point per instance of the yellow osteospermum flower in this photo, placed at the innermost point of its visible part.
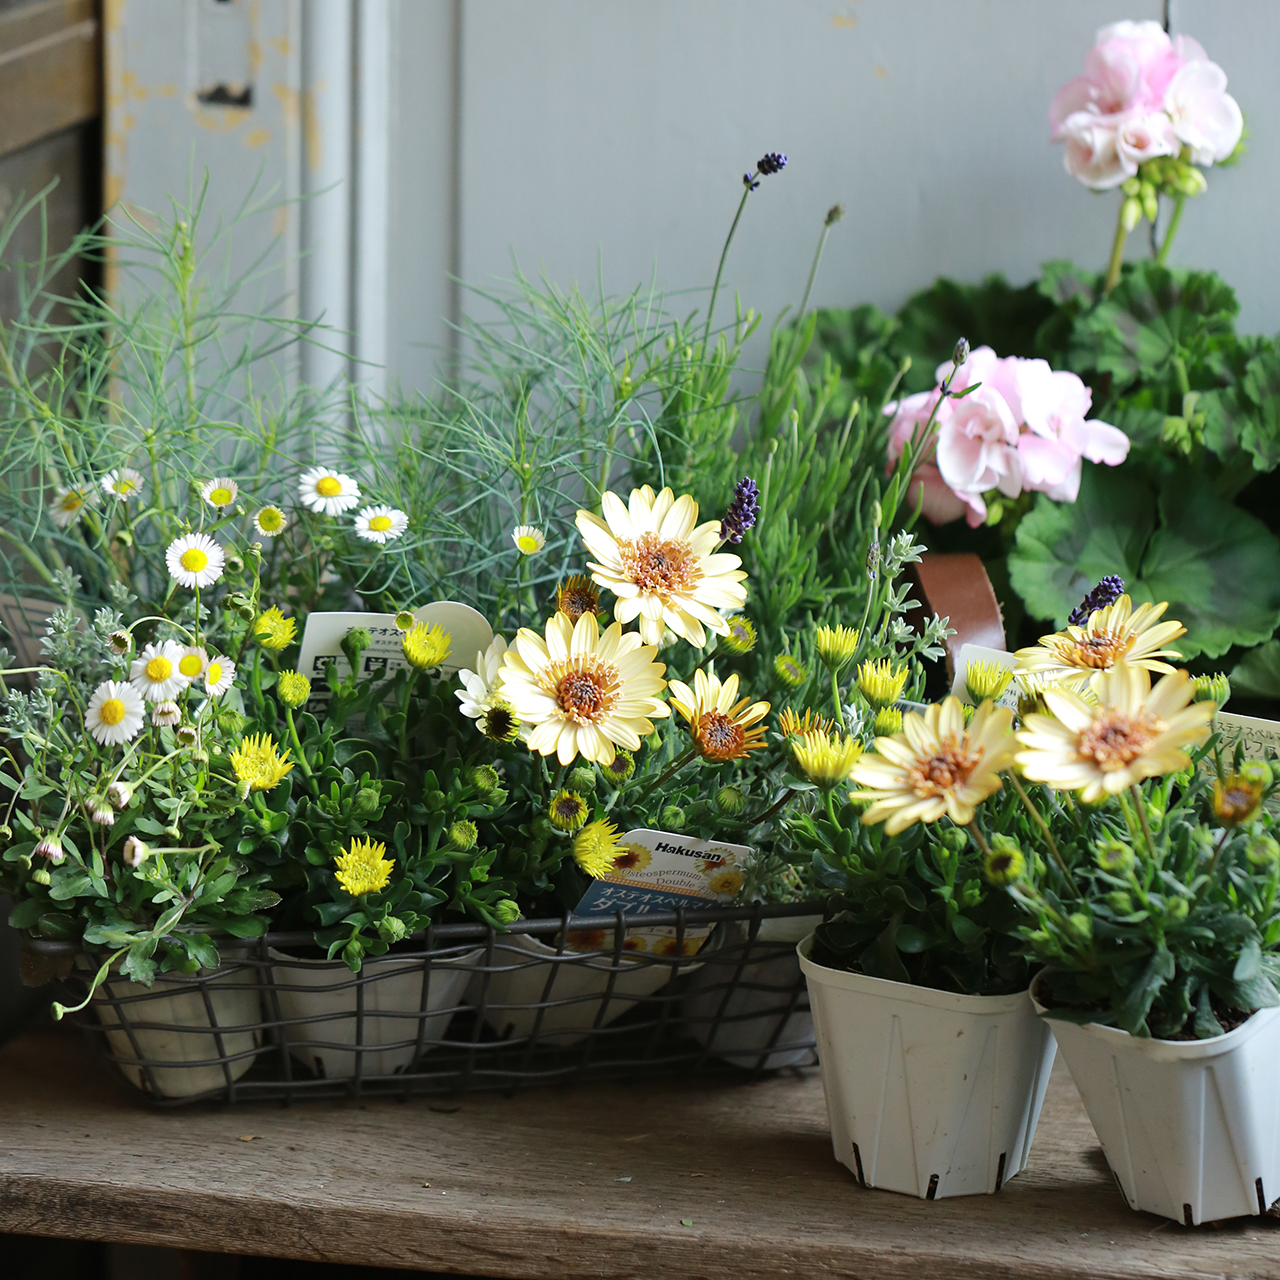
(663, 565)
(595, 848)
(722, 727)
(826, 760)
(425, 646)
(937, 765)
(363, 868)
(791, 725)
(274, 631)
(258, 764)
(1134, 732)
(1118, 633)
(881, 682)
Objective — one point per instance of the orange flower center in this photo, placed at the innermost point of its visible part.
(585, 694)
(577, 596)
(949, 767)
(1096, 650)
(1114, 740)
(719, 737)
(662, 567)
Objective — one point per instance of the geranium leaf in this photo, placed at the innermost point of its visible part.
(1258, 672)
(1217, 566)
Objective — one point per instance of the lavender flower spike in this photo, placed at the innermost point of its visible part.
(771, 162)
(743, 511)
(1108, 591)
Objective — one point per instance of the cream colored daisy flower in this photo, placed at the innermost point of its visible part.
(937, 765)
(585, 693)
(663, 565)
(270, 522)
(194, 660)
(1134, 732)
(155, 673)
(1118, 633)
(479, 690)
(122, 483)
(67, 505)
(529, 539)
(381, 524)
(220, 493)
(114, 714)
(195, 560)
(722, 727)
(218, 676)
(327, 492)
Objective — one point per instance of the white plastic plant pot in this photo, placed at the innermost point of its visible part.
(1190, 1128)
(181, 1037)
(929, 1093)
(381, 1018)
(742, 1024)
(518, 989)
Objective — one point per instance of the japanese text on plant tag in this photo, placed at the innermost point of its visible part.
(657, 871)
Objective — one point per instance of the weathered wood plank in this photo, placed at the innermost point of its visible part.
(533, 1186)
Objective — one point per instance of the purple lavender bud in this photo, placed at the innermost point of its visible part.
(743, 511)
(771, 162)
(1108, 591)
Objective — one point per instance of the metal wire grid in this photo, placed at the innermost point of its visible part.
(460, 1007)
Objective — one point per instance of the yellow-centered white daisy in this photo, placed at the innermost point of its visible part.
(67, 505)
(529, 539)
(327, 492)
(218, 676)
(195, 658)
(155, 672)
(220, 492)
(381, 524)
(583, 692)
(115, 713)
(195, 560)
(122, 483)
(270, 522)
(480, 689)
(1133, 732)
(663, 565)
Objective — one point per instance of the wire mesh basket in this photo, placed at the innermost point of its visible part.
(460, 1007)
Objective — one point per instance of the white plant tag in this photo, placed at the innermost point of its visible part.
(658, 872)
(1261, 738)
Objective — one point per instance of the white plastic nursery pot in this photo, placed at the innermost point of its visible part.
(739, 1026)
(1190, 1128)
(518, 993)
(929, 1093)
(163, 1037)
(328, 1011)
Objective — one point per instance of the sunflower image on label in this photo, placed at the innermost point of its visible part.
(656, 872)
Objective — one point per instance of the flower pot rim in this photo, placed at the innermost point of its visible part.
(1153, 1045)
(888, 989)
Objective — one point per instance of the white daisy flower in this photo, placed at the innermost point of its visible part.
(270, 522)
(165, 715)
(67, 505)
(479, 689)
(155, 673)
(135, 852)
(218, 676)
(194, 660)
(195, 560)
(122, 483)
(328, 492)
(115, 713)
(529, 539)
(220, 492)
(381, 524)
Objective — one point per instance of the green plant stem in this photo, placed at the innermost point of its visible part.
(813, 270)
(1117, 253)
(773, 808)
(1038, 818)
(829, 797)
(297, 745)
(724, 253)
(1176, 217)
(675, 767)
(835, 699)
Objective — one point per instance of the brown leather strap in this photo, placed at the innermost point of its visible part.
(957, 587)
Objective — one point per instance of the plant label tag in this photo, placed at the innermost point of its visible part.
(980, 653)
(469, 634)
(1261, 738)
(658, 872)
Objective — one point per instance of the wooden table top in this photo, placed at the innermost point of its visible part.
(693, 1180)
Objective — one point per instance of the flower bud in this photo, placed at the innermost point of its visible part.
(1080, 927)
(583, 778)
(135, 852)
(392, 929)
(1113, 856)
(1176, 909)
(121, 642)
(484, 778)
(462, 836)
(6, 834)
(353, 644)
(1130, 213)
(623, 766)
(731, 800)
(41, 876)
(434, 801)
(1257, 773)
(405, 620)
(1004, 864)
(954, 840)
(294, 689)
(1262, 850)
(1120, 902)
(1216, 688)
(100, 810)
(834, 214)
(51, 848)
(958, 356)
(119, 793)
(366, 801)
(506, 912)
(671, 817)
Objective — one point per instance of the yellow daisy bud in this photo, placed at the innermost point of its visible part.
(836, 646)
(985, 680)
(425, 646)
(363, 868)
(881, 682)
